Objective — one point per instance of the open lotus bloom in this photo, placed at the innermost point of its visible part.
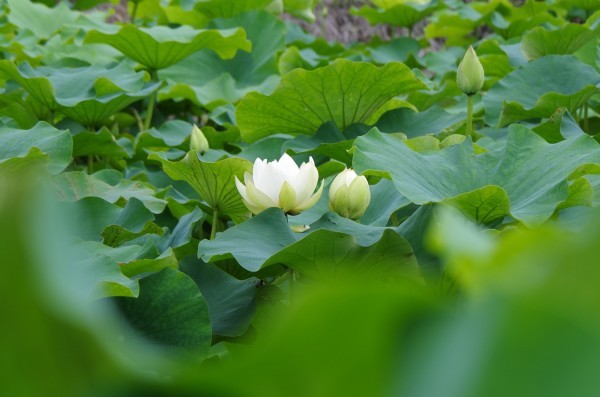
(280, 184)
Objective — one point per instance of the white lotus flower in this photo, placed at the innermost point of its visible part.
(349, 194)
(280, 184)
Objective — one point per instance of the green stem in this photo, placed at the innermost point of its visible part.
(213, 229)
(395, 221)
(291, 271)
(138, 119)
(150, 111)
(90, 161)
(134, 12)
(324, 22)
(152, 102)
(443, 279)
(586, 124)
(469, 131)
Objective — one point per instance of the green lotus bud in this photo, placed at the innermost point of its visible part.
(198, 141)
(469, 76)
(349, 194)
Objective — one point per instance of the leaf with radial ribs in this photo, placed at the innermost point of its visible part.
(527, 178)
(565, 40)
(108, 185)
(171, 314)
(403, 14)
(89, 95)
(42, 142)
(214, 182)
(344, 92)
(534, 91)
(335, 248)
(160, 46)
(226, 9)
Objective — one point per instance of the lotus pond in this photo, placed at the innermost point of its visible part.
(219, 198)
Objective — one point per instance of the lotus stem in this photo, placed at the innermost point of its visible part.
(586, 124)
(213, 229)
(395, 221)
(152, 102)
(291, 272)
(469, 131)
(138, 119)
(134, 11)
(150, 111)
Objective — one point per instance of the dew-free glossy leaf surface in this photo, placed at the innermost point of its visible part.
(431, 121)
(344, 92)
(229, 8)
(39, 19)
(565, 40)
(214, 182)
(97, 217)
(385, 201)
(159, 47)
(55, 144)
(231, 302)
(142, 267)
(109, 281)
(181, 234)
(108, 185)
(207, 79)
(268, 234)
(89, 95)
(133, 221)
(171, 313)
(531, 172)
(100, 143)
(332, 256)
(301, 8)
(100, 269)
(559, 126)
(334, 248)
(535, 90)
(403, 15)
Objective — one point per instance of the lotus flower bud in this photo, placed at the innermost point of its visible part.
(469, 76)
(280, 184)
(198, 141)
(349, 194)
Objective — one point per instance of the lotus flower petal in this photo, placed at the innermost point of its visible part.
(306, 180)
(349, 194)
(311, 201)
(280, 183)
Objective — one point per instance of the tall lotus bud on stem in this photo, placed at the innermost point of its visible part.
(349, 194)
(281, 184)
(469, 78)
(198, 141)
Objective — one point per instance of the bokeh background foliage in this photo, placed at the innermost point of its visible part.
(472, 273)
